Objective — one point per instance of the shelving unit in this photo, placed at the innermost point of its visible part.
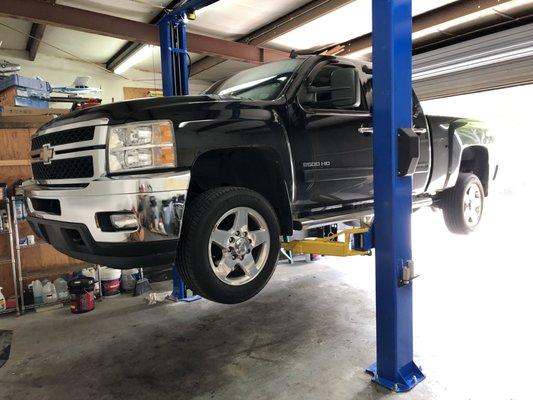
(15, 225)
(11, 259)
(38, 261)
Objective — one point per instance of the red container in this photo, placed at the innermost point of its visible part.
(111, 287)
(82, 303)
(81, 294)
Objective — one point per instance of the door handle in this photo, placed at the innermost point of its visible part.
(365, 130)
(420, 131)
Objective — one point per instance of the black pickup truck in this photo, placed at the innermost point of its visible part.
(280, 147)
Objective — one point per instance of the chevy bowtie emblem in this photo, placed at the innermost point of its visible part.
(46, 154)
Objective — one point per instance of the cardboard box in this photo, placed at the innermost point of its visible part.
(25, 92)
(12, 97)
(24, 82)
(29, 102)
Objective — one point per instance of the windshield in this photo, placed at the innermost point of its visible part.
(264, 82)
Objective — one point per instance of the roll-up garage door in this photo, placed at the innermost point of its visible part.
(494, 61)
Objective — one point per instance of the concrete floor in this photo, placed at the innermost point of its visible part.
(308, 335)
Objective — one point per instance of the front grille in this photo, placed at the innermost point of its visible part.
(63, 137)
(70, 168)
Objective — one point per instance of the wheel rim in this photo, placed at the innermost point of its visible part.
(472, 205)
(238, 246)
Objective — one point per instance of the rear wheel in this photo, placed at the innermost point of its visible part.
(229, 244)
(463, 204)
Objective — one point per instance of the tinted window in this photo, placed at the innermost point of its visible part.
(265, 82)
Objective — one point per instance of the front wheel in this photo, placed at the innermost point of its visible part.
(463, 204)
(229, 244)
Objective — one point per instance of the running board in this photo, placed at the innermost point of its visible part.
(338, 217)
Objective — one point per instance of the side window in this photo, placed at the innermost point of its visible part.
(367, 90)
(318, 94)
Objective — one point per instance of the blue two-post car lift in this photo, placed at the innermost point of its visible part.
(392, 116)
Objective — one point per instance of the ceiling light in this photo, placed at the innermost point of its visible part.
(140, 55)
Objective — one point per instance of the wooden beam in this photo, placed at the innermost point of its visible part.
(14, 163)
(293, 20)
(36, 34)
(81, 20)
(108, 25)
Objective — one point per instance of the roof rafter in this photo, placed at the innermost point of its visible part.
(36, 34)
(293, 20)
(102, 24)
(429, 19)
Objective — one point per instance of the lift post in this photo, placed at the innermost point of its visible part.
(175, 76)
(173, 43)
(392, 86)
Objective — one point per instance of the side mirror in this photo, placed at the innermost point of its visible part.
(345, 90)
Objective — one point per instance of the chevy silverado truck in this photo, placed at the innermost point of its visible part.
(280, 147)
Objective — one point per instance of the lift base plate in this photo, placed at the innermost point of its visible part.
(410, 376)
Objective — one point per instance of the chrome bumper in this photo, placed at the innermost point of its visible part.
(158, 201)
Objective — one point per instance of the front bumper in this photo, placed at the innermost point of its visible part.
(73, 219)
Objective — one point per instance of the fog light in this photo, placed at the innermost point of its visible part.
(124, 221)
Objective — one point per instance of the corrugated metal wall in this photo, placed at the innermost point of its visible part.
(494, 61)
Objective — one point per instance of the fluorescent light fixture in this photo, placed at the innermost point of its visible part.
(140, 55)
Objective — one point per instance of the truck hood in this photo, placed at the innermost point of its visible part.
(140, 110)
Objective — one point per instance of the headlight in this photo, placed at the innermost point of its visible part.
(146, 145)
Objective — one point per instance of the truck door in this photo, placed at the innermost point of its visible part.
(423, 169)
(332, 146)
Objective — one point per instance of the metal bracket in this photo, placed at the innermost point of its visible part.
(408, 273)
(408, 151)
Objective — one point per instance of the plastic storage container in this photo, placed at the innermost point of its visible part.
(37, 287)
(128, 279)
(19, 209)
(61, 289)
(110, 279)
(49, 292)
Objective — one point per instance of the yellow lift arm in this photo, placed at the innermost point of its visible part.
(329, 246)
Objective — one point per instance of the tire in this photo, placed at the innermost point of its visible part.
(229, 244)
(462, 205)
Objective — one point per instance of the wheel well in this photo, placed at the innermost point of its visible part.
(475, 160)
(255, 169)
